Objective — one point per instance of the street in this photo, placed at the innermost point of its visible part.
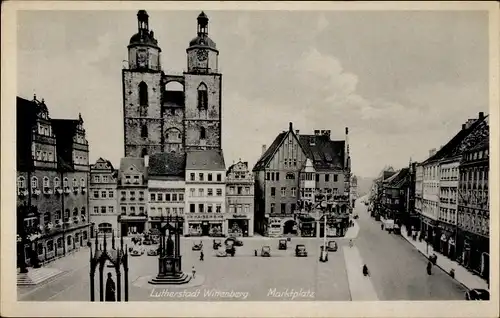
(397, 272)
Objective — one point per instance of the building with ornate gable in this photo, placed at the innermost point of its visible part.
(239, 200)
(103, 203)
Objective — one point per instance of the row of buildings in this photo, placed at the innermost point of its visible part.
(445, 198)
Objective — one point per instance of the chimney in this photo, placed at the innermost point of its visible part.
(481, 115)
(297, 131)
(146, 161)
(316, 132)
(264, 148)
(291, 126)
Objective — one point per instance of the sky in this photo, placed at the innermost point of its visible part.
(402, 81)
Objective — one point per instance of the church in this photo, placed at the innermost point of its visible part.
(159, 120)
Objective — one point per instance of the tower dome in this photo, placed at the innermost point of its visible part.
(202, 39)
(144, 36)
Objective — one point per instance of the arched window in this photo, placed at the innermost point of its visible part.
(75, 183)
(290, 176)
(82, 182)
(65, 182)
(83, 211)
(34, 182)
(69, 240)
(59, 242)
(66, 214)
(203, 133)
(57, 183)
(202, 96)
(144, 131)
(75, 211)
(144, 152)
(143, 94)
(21, 183)
(46, 182)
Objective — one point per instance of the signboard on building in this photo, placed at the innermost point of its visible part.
(208, 217)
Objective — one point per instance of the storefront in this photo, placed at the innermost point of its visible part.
(307, 226)
(446, 240)
(155, 222)
(238, 225)
(131, 225)
(205, 225)
(274, 227)
(335, 226)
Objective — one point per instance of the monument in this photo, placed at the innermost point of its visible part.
(169, 257)
(118, 259)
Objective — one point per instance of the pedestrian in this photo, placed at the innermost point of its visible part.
(194, 272)
(382, 226)
(110, 288)
(429, 268)
(201, 256)
(255, 252)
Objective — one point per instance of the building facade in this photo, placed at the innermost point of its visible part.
(166, 188)
(239, 200)
(299, 166)
(419, 179)
(448, 205)
(473, 204)
(103, 202)
(353, 190)
(205, 194)
(52, 183)
(395, 196)
(158, 118)
(132, 188)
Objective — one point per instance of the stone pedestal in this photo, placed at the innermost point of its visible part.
(169, 272)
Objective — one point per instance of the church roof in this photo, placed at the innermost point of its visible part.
(210, 159)
(203, 40)
(144, 38)
(325, 154)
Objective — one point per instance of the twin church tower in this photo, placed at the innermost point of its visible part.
(157, 119)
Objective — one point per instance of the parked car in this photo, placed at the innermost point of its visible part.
(217, 243)
(477, 294)
(266, 251)
(332, 246)
(230, 250)
(235, 240)
(153, 252)
(197, 247)
(300, 250)
(136, 252)
(221, 253)
(282, 245)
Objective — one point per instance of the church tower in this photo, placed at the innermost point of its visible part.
(202, 87)
(142, 89)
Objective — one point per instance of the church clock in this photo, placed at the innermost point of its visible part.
(202, 55)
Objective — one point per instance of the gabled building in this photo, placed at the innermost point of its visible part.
(299, 166)
(52, 183)
(205, 194)
(166, 188)
(396, 196)
(103, 203)
(239, 200)
(132, 190)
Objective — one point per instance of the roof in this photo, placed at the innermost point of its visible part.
(268, 154)
(210, 159)
(144, 38)
(127, 162)
(101, 159)
(452, 147)
(398, 179)
(325, 154)
(167, 164)
(173, 98)
(203, 40)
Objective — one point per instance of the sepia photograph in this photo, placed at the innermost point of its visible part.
(286, 156)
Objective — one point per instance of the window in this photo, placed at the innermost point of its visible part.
(75, 183)
(290, 176)
(96, 209)
(21, 182)
(110, 209)
(141, 209)
(38, 155)
(335, 178)
(160, 196)
(192, 192)
(111, 194)
(44, 156)
(268, 176)
(210, 192)
(203, 133)
(272, 207)
(105, 179)
(231, 208)
(124, 209)
(153, 196)
(57, 183)
(167, 197)
(97, 179)
(238, 208)
(327, 177)
(34, 182)
(273, 191)
(317, 177)
(292, 207)
(200, 208)
(132, 209)
(209, 208)
(219, 192)
(174, 197)
(202, 96)
(219, 177)
(46, 182)
(283, 191)
(192, 176)
(192, 208)
(96, 194)
(247, 208)
(272, 176)
(201, 192)
(143, 94)
(181, 197)
(103, 194)
(144, 131)
(58, 215)
(200, 176)
(209, 177)
(240, 190)
(294, 192)
(218, 208)
(231, 190)
(103, 209)
(247, 190)
(46, 218)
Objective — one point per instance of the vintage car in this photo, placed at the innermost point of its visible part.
(221, 253)
(217, 243)
(300, 250)
(282, 244)
(197, 247)
(153, 252)
(230, 249)
(136, 252)
(477, 294)
(266, 251)
(332, 246)
(235, 241)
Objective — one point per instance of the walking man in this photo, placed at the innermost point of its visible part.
(201, 256)
(194, 272)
